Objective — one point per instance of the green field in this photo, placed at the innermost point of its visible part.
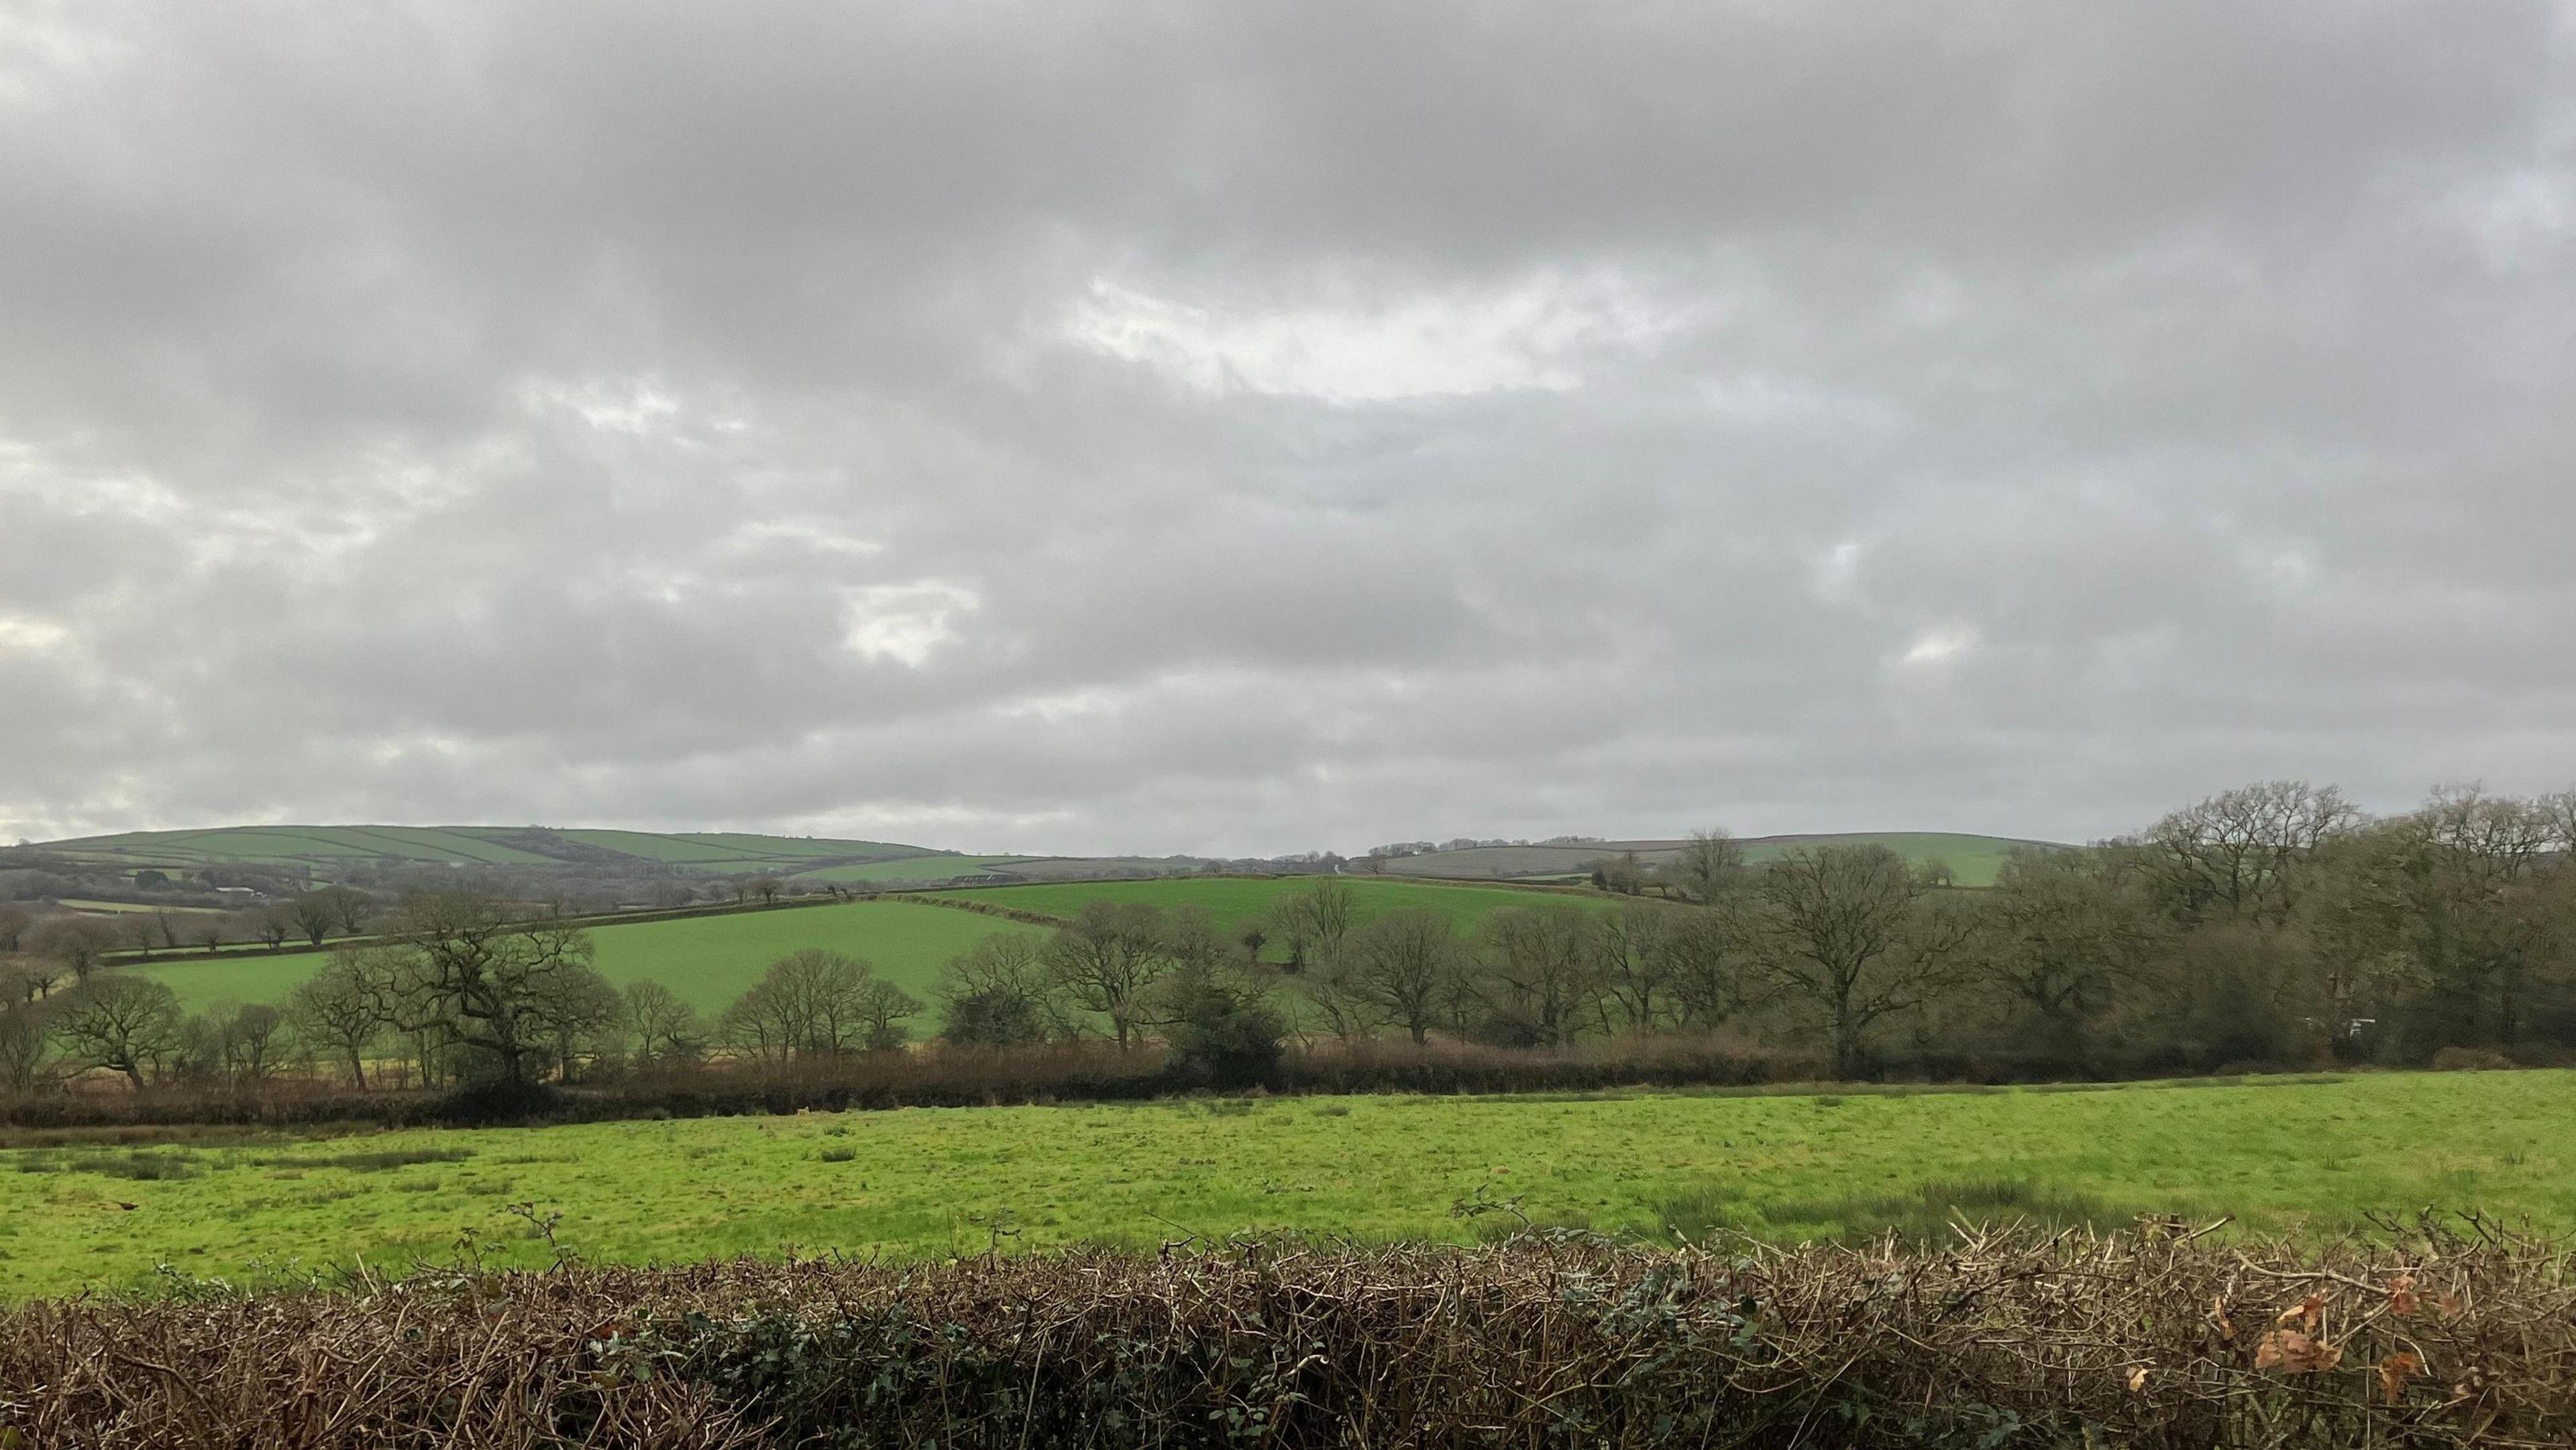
(710, 960)
(339, 847)
(1236, 898)
(906, 868)
(1973, 860)
(2307, 1155)
(135, 908)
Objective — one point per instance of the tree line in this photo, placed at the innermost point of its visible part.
(2271, 925)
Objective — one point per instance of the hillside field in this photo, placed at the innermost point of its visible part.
(710, 960)
(340, 847)
(1235, 898)
(2300, 1155)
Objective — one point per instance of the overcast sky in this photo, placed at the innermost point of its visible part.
(1252, 427)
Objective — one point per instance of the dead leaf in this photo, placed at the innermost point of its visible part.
(2306, 1312)
(2138, 1379)
(2450, 1304)
(2296, 1352)
(2218, 1316)
(2402, 1300)
(2395, 1371)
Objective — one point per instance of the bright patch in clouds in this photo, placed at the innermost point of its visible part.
(1940, 647)
(1446, 344)
(22, 635)
(903, 622)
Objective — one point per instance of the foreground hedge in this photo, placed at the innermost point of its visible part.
(2147, 1338)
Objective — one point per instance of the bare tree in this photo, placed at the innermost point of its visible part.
(349, 907)
(883, 1008)
(14, 921)
(1840, 931)
(312, 915)
(1540, 979)
(1406, 964)
(1107, 959)
(1000, 994)
(2235, 855)
(251, 1040)
(1707, 971)
(140, 931)
(580, 1014)
(345, 1008)
(1621, 875)
(1635, 961)
(25, 1037)
(2067, 930)
(1317, 920)
(30, 978)
(80, 943)
(500, 988)
(1708, 866)
(269, 925)
(121, 1022)
(666, 1027)
(811, 1003)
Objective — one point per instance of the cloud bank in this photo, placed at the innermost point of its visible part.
(1260, 427)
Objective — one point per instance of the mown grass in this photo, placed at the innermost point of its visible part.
(2312, 1156)
(710, 960)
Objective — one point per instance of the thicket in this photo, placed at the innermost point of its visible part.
(2005, 1338)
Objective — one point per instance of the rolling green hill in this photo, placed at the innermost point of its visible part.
(325, 848)
(1234, 898)
(709, 960)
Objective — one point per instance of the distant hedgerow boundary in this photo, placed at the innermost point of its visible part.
(940, 1075)
(2010, 1338)
(980, 908)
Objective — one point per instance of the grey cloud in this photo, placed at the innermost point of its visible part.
(1249, 428)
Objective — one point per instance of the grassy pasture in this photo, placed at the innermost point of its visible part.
(1973, 860)
(1233, 898)
(2299, 1155)
(906, 868)
(709, 960)
(341, 846)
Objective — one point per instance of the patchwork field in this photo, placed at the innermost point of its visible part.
(908, 868)
(709, 960)
(339, 847)
(1236, 898)
(2303, 1155)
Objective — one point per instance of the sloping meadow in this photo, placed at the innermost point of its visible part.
(2150, 1337)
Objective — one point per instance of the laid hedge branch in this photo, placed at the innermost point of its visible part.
(2157, 1337)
